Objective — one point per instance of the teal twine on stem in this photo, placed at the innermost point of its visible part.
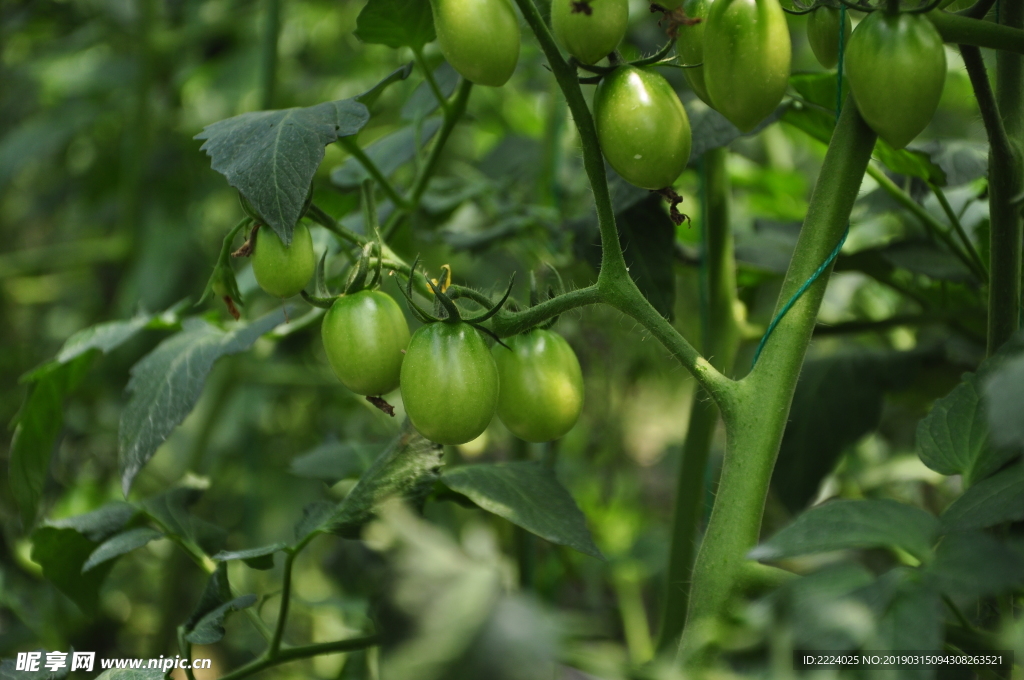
(839, 246)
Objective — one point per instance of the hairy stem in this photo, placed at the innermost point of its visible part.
(428, 75)
(288, 654)
(760, 407)
(350, 145)
(963, 30)
(721, 339)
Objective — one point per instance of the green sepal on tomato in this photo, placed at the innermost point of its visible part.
(364, 335)
(896, 66)
(690, 45)
(449, 382)
(541, 385)
(283, 271)
(589, 29)
(479, 38)
(823, 33)
(642, 127)
(746, 59)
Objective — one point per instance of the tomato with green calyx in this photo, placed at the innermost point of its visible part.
(823, 34)
(540, 392)
(364, 336)
(642, 127)
(283, 271)
(589, 29)
(896, 66)
(449, 382)
(690, 45)
(479, 38)
(746, 59)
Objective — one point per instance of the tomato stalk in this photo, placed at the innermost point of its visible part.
(756, 416)
(964, 30)
(268, 53)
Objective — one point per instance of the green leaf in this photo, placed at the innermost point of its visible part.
(528, 495)
(210, 628)
(257, 558)
(388, 153)
(101, 524)
(131, 674)
(953, 438)
(62, 553)
(36, 432)
(333, 461)
(370, 97)
(271, 156)
(913, 620)
(119, 544)
(104, 337)
(166, 384)
(406, 469)
(972, 565)
(396, 23)
(314, 515)
(992, 501)
(422, 102)
(170, 511)
(711, 130)
(963, 161)
(1004, 397)
(648, 237)
(925, 257)
(838, 400)
(845, 524)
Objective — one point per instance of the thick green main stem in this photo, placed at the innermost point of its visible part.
(268, 55)
(967, 31)
(720, 344)
(757, 416)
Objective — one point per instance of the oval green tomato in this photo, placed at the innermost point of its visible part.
(541, 385)
(283, 270)
(896, 65)
(449, 382)
(823, 34)
(746, 59)
(690, 46)
(479, 38)
(642, 127)
(364, 336)
(589, 29)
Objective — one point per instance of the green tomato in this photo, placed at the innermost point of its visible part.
(896, 65)
(449, 382)
(541, 385)
(589, 29)
(283, 271)
(690, 46)
(746, 59)
(823, 34)
(479, 38)
(364, 336)
(642, 127)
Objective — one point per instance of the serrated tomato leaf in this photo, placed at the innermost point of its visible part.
(396, 23)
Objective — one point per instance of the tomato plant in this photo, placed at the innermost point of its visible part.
(283, 270)
(642, 126)
(449, 383)
(589, 29)
(897, 69)
(823, 33)
(746, 59)
(690, 45)
(541, 385)
(365, 335)
(479, 38)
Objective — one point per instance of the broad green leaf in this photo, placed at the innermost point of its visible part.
(62, 553)
(422, 102)
(388, 153)
(216, 593)
(396, 23)
(992, 501)
(528, 495)
(101, 524)
(271, 156)
(1004, 397)
(845, 524)
(166, 384)
(314, 515)
(333, 461)
(972, 565)
(370, 97)
(914, 621)
(104, 337)
(925, 257)
(838, 400)
(170, 511)
(821, 606)
(131, 674)
(406, 469)
(210, 628)
(648, 237)
(36, 431)
(711, 130)
(257, 558)
(963, 161)
(953, 438)
(119, 544)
